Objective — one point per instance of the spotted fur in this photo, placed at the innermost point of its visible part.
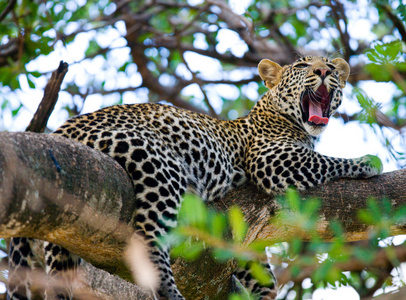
(167, 151)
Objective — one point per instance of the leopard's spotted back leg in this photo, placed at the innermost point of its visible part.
(159, 181)
(20, 264)
(243, 276)
(61, 268)
(159, 177)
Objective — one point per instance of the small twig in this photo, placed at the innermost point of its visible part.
(381, 120)
(336, 10)
(382, 261)
(197, 80)
(399, 25)
(41, 116)
(8, 8)
(191, 22)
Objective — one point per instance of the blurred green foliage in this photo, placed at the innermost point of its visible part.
(311, 257)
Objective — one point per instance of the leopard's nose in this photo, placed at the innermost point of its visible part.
(322, 72)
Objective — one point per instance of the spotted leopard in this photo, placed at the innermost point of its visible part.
(167, 151)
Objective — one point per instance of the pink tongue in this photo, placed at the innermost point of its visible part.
(316, 114)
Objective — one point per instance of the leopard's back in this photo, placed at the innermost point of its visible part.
(209, 152)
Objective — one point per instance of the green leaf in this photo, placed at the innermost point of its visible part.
(400, 215)
(35, 74)
(385, 53)
(14, 112)
(93, 48)
(296, 246)
(193, 211)
(259, 245)
(223, 254)
(123, 67)
(218, 225)
(238, 225)
(311, 207)
(327, 272)
(401, 10)
(3, 245)
(366, 255)
(30, 83)
(337, 228)
(293, 199)
(188, 249)
(242, 296)
(260, 273)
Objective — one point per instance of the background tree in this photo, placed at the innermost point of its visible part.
(139, 51)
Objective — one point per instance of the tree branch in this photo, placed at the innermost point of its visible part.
(7, 9)
(45, 108)
(338, 13)
(44, 177)
(381, 261)
(83, 200)
(71, 195)
(399, 25)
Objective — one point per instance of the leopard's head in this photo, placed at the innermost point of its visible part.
(309, 90)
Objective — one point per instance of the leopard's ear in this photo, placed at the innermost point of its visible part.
(270, 72)
(343, 70)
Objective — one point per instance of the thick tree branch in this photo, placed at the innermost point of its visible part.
(61, 187)
(63, 192)
(83, 200)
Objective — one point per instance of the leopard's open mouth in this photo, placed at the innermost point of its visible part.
(316, 106)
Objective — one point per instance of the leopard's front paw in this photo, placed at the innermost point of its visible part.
(371, 165)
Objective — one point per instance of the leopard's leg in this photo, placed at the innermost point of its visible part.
(154, 220)
(61, 268)
(159, 180)
(20, 264)
(263, 291)
(279, 165)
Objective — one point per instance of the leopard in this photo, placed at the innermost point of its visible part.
(168, 151)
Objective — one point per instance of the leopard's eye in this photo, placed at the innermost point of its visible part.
(331, 66)
(301, 66)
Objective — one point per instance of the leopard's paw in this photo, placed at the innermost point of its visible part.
(371, 166)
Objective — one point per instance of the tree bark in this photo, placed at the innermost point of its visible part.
(59, 190)
(64, 192)
(40, 119)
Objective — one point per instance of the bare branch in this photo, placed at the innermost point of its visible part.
(338, 12)
(381, 119)
(7, 9)
(399, 25)
(394, 295)
(45, 108)
(199, 82)
(9, 50)
(382, 261)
